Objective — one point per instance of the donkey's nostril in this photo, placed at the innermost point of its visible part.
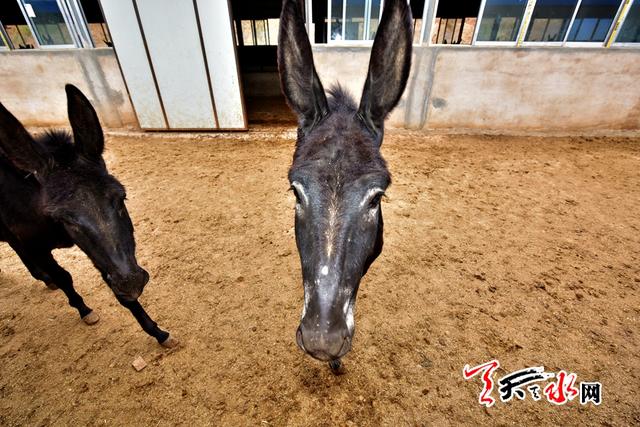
(299, 340)
(346, 346)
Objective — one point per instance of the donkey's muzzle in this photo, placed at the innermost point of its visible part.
(128, 286)
(325, 345)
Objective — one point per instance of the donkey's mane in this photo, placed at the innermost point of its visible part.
(57, 144)
(341, 100)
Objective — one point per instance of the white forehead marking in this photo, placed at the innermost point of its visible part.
(324, 271)
(331, 227)
(300, 190)
(370, 194)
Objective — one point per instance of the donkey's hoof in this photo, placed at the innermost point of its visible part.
(170, 342)
(337, 367)
(51, 286)
(91, 318)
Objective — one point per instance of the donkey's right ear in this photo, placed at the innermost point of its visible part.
(298, 77)
(17, 145)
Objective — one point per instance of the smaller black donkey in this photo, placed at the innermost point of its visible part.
(338, 174)
(56, 192)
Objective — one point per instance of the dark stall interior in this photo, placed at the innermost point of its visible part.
(256, 32)
(256, 29)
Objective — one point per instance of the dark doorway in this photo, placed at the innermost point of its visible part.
(256, 27)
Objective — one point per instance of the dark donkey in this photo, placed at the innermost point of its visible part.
(56, 192)
(338, 174)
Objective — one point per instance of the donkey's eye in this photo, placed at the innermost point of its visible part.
(295, 193)
(375, 200)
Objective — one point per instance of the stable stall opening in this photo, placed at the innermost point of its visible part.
(256, 26)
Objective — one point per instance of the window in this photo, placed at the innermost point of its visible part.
(593, 20)
(550, 20)
(4, 44)
(28, 24)
(630, 30)
(336, 19)
(501, 20)
(17, 34)
(258, 32)
(354, 20)
(358, 20)
(96, 23)
(455, 22)
(48, 23)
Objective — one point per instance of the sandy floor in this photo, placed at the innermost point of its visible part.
(522, 249)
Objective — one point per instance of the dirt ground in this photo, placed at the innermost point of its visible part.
(522, 249)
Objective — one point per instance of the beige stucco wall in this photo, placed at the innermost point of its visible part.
(477, 89)
(505, 89)
(32, 85)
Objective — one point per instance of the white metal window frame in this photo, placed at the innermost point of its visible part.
(367, 23)
(8, 45)
(622, 21)
(74, 19)
(526, 22)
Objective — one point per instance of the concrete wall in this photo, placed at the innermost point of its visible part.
(32, 85)
(499, 89)
(477, 89)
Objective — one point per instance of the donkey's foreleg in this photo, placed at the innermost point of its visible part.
(147, 324)
(31, 265)
(63, 280)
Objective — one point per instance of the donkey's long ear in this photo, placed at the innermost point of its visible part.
(389, 64)
(298, 77)
(87, 133)
(17, 145)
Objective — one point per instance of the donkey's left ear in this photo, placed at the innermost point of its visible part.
(389, 64)
(87, 132)
(300, 82)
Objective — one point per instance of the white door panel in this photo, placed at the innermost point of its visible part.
(171, 31)
(132, 56)
(179, 61)
(219, 46)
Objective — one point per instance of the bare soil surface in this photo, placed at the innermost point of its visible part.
(522, 249)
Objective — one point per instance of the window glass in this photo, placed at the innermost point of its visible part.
(354, 20)
(630, 30)
(501, 20)
(96, 23)
(20, 36)
(375, 18)
(336, 19)
(593, 20)
(550, 20)
(261, 32)
(247, 32)
(455, 22)
(274, 27)
(48, 22)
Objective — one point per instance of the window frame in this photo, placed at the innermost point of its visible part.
(74, 19)
(8, 45)
(476, 31)
(603, 43)
(561, 43)
(367, 24)
(623, 14)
